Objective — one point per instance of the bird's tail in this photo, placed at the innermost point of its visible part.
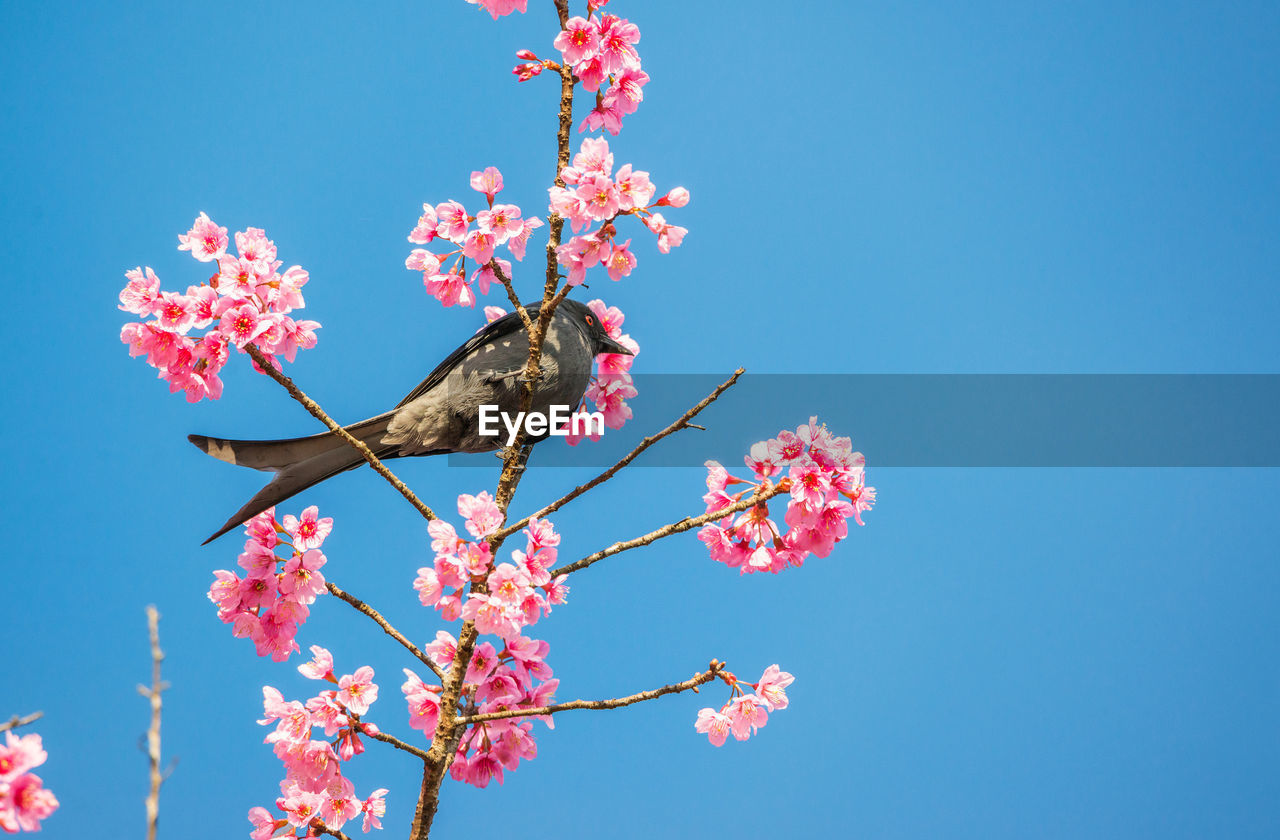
(298, 463)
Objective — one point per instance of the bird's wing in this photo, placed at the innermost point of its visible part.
(504, 326)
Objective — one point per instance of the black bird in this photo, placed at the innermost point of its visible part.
(440, 415)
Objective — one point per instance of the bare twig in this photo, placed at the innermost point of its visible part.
(153, 733)
(511, 294)
(15, 721)
(364, 608)
(357, 444)
(323, 829)
(681, 423)
(675, 688)
(763, 493)
(396, 742)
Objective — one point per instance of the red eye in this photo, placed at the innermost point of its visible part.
(590, 321)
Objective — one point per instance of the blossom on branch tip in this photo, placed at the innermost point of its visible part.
(825, 481)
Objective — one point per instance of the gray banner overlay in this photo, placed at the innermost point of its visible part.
(954, 420)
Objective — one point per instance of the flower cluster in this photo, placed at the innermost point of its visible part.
(594, 193)
(248, 300)
(314, 791)
(601, 50)
(269, 603)
(515, 594)
(826, 481)
(513, 678)
(499, 225)
(24, 800)
(745, 713)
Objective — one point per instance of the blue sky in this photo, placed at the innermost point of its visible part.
(877, 188)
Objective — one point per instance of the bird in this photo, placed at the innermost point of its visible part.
(440, 415)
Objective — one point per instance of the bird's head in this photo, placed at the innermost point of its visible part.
(590, 324)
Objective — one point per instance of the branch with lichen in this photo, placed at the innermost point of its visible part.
(713, 671)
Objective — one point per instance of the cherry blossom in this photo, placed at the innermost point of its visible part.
(269, 603)
(826, 485)
(247, 301)
(24, 800)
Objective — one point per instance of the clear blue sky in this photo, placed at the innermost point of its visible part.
(995, 187)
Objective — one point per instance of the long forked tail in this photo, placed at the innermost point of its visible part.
(298, 463)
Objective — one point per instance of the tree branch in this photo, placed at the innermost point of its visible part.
(681, 423)
(511, 294)
(357, 444)
(15, 721)
(444, 742)
(763, 493)
(323, 829)
(396, 742)
(713, 670)
(153, 733)
(364, 608)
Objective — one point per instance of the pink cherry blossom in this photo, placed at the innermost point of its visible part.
(746, 715)
(206, 241)
(578, 40)
(715, 725)
(518, 242)
(425, 230)
(308, 530)
(374, 808)
(617, 39)
(141, 292)
(677, 197)
(772, 688)
(452, 224)
(450, 289)
(443, 649)
(488, 182)
(599, 198)
(482, 514)
(621, 261)
(503, 222)
(301, 580)
(321, 665)
(358, 691)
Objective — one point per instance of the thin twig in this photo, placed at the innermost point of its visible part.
(15, 721)
(385, 625)
(357, 444)
(397, 743)
(763, 493)
(323, 829)
(675, 688)
(511, 293)
(153, 733)
(681, 423)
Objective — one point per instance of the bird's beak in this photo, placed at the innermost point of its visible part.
(608, 345)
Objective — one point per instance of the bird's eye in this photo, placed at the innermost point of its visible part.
(590, 321)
